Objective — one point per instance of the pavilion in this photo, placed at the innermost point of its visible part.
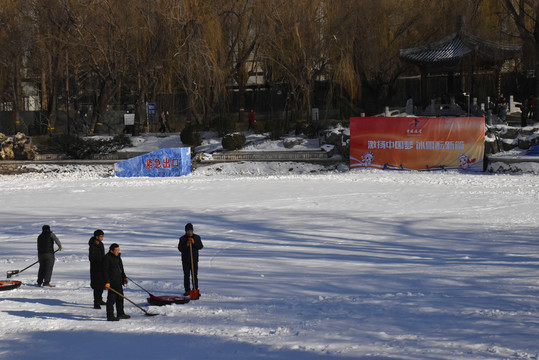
(459, 53)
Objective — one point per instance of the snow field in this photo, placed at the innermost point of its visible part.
(360, 265)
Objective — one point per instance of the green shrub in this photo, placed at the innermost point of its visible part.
(80, 148)
(223, 125)
(308, 129)
(233, 141)
(276, 128)
(190, 136)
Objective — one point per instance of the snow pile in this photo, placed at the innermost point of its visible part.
(266, 169)
(70, 170)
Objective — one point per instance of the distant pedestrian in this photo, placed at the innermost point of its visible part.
(410, 105)
(531, 108)
(163, 121)
(45, 254)
(252, 119)
(190, 242)
(96, 255)
(115, 278)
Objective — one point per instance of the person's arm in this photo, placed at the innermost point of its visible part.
(182, 245)
(198, 242)
(106, 266)
(57, 241)
(124, 277)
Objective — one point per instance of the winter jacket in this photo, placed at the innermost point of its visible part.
(45, 243)
(186, 253)
(96, 254)
(113, 271)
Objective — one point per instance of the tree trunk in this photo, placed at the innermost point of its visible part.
(106, 93)
(17, 118)
(140, 109)
(53, 103)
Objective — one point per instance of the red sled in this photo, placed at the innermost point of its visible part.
(167, 300)
(9, 284)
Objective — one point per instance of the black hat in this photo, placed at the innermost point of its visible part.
(46, 228)
(188, 227)
(98, 232)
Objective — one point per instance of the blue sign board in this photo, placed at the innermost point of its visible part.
(159, 163)
(151, 109)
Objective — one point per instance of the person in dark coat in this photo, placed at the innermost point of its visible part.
(190, 239)
(115, 278)
(45, 255)
(96, 255)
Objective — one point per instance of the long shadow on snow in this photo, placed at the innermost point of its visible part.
(310, 236)
(111, 343)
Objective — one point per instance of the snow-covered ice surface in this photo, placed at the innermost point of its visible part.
(299, 263)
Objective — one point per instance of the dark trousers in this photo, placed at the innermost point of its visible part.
(98, 296)
(186, 275)
(115, 299)
(46, 264)
(98, 284)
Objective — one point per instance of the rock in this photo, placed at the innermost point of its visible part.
(509, 144)
(289, 143)
(523, 143)
(6, 148)
(508, 132)
(17, 147)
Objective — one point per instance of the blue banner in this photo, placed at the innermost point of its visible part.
(159, 163)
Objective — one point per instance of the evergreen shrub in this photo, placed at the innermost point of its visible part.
(233, 141)
(190, 136)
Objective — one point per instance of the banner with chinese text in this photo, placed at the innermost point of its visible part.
(162, 162)
(410, 143)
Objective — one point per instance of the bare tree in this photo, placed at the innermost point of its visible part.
(50, 49)
(100, 37)
(293, 48)
(15, 36)
(198, 52)
(238, 20)
(525, 14)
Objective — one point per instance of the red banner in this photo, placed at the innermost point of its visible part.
(411, 143)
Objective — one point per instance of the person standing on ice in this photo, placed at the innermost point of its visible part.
(188, 241)
(45, 255)
(114, 276)
(96, 255)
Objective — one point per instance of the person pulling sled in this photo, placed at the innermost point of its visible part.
(189, 245)
(115, 278)
(45, 255)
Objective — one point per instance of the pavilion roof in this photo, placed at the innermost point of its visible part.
(448, 52)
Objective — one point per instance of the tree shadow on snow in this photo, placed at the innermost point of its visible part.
(111, 343)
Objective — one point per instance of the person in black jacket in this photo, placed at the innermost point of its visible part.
(190, 239)
(96, 255)
(45, 255)
(114, 276)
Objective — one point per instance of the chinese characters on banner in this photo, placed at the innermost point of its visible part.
(416, 143)
(163, 162)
